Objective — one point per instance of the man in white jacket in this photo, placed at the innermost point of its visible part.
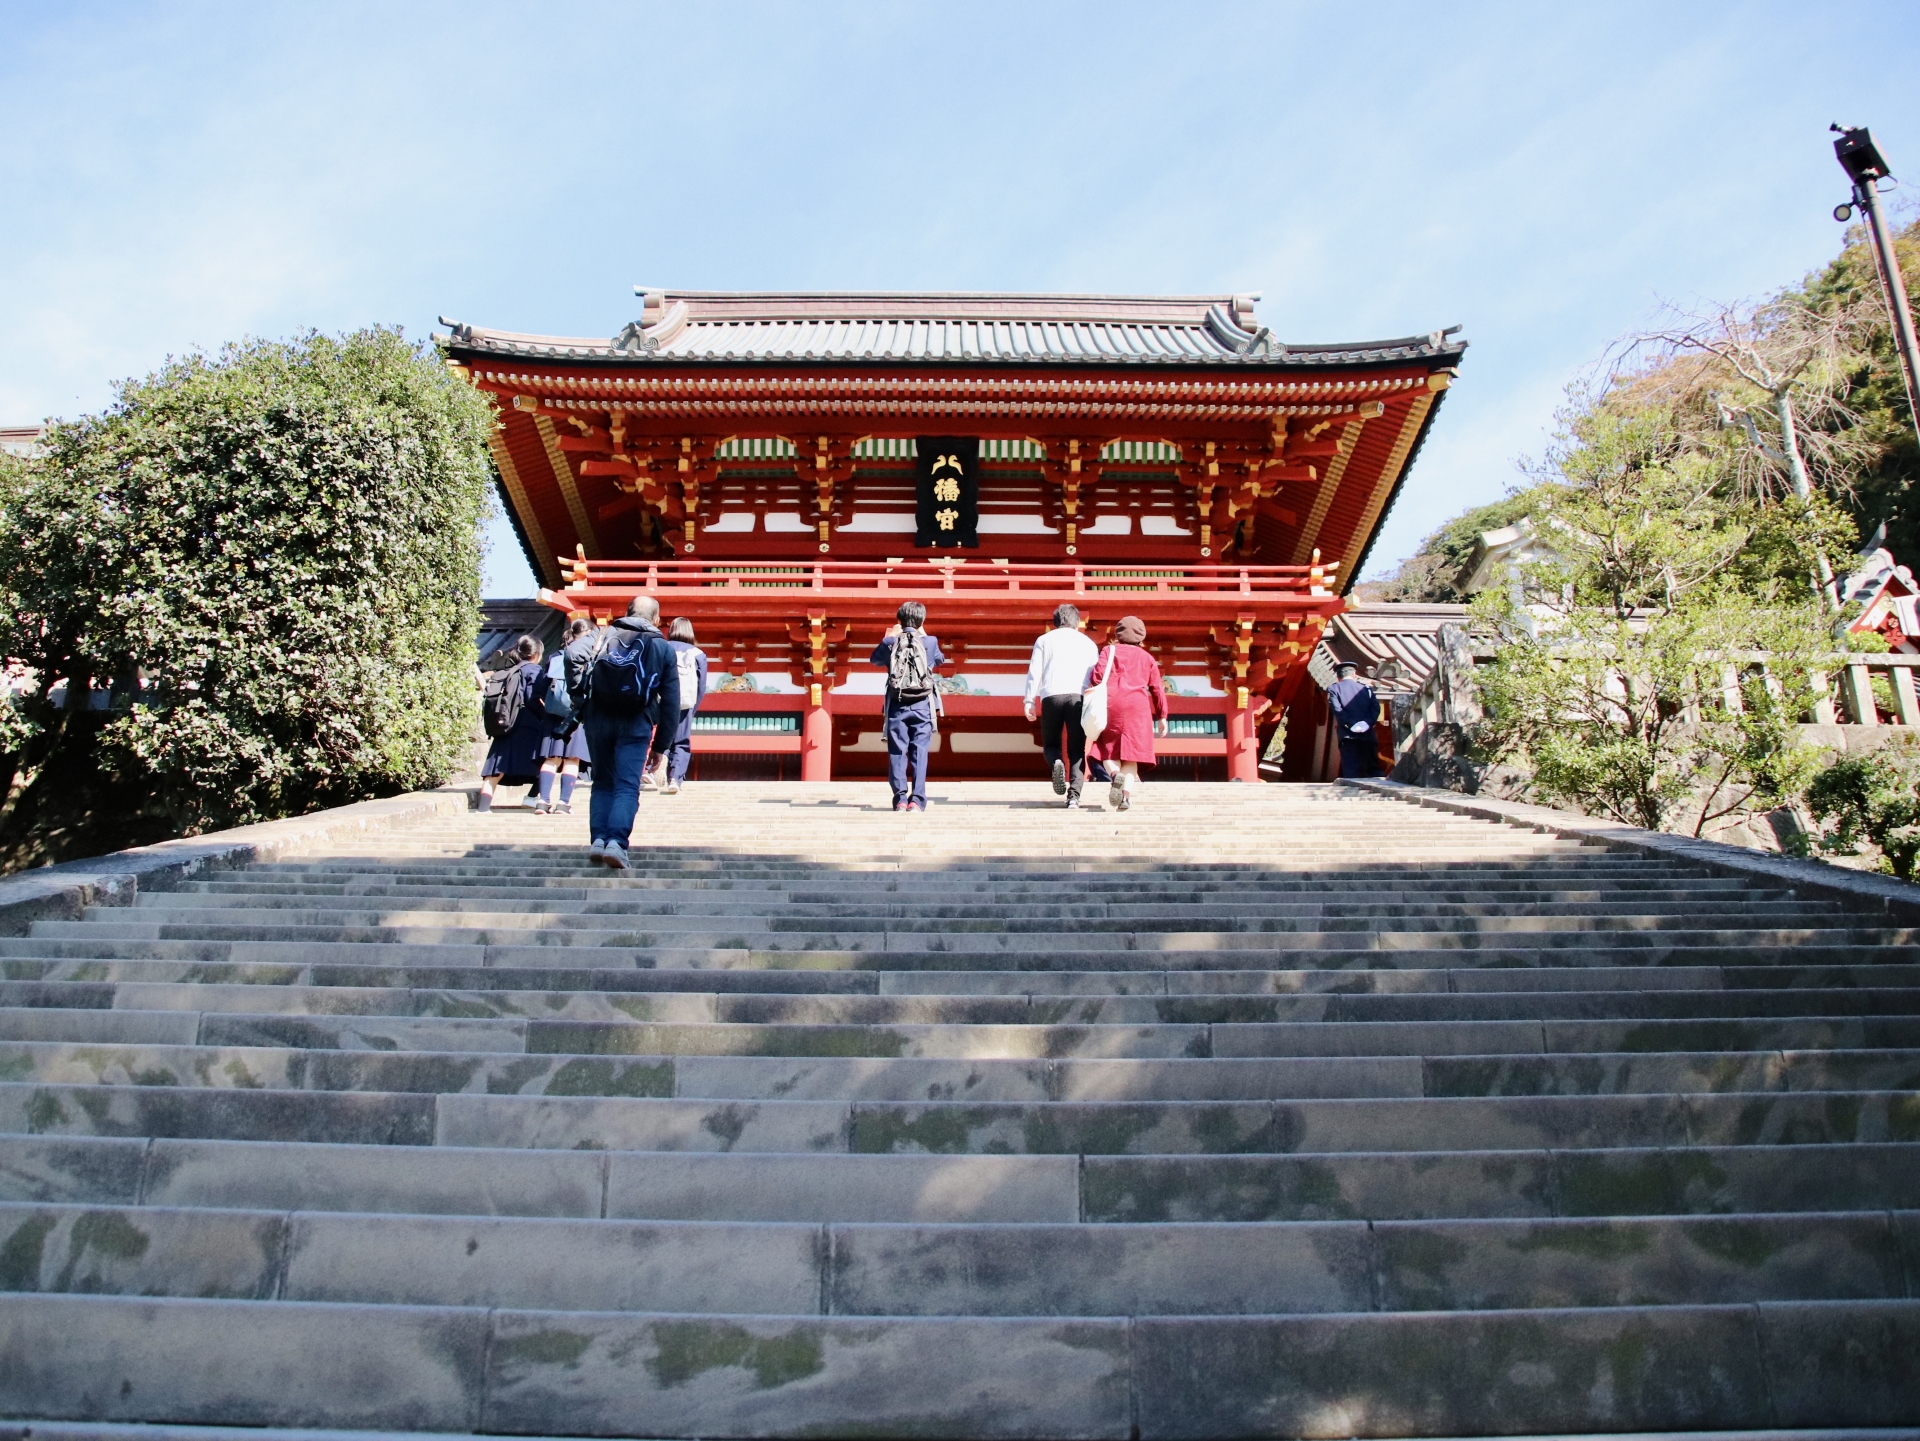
(1063, 658)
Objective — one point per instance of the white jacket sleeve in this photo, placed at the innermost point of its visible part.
(1034, 668)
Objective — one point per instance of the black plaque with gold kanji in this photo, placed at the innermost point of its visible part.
(947, 505)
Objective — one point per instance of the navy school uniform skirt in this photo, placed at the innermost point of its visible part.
(572, 745)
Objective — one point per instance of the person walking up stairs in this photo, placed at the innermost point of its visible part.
(1057, 676)
(625, 684)
(1269, 1111)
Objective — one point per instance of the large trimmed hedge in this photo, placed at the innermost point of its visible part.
(270, 558)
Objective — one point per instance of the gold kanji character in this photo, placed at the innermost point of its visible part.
(946, 518)
(946, 488)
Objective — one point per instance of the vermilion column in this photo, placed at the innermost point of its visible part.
(1243, 742)
(816, 738)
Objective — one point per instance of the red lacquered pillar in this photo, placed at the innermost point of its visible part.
(816, 738)
(1243, 740)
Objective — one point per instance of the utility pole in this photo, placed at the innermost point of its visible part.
(1865, 167)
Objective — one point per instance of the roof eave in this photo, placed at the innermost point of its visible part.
(1366, 356)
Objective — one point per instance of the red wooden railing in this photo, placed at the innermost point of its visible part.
(967, 576)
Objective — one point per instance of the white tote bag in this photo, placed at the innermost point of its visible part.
(1093, 704)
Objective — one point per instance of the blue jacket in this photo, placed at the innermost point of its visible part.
(657, 660)
(883, 657)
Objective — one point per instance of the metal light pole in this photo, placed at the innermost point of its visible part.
(1865, 167)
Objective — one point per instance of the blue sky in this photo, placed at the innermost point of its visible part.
(178, 175)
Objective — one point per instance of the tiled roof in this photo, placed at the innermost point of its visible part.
(716, 326)
(1368, 634)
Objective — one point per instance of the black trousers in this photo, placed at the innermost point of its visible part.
(1359, 756)
(1058, 712)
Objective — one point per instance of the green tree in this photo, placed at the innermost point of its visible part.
(1665, 589)
(1433, 573)
(269, 559)
(1886, 489)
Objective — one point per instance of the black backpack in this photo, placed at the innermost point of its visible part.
(908, 674)
(619, 679)
(500, 697)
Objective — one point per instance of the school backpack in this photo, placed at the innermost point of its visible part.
(908, 675)
(554, 700)
(622, 684)
(683, 656)
(500, 697)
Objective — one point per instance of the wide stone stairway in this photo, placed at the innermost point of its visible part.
(1253, 1111)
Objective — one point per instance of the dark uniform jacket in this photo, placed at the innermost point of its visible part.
(1353, 701)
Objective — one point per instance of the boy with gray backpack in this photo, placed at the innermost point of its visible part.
(910, 657)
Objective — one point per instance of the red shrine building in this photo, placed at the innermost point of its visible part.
(786, 469)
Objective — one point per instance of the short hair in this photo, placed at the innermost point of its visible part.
(1345, 665)
(681, 629)
(644, 607)
(527, 648)
(911, 614)
(1066, 615)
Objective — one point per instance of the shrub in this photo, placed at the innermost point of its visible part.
(269, 559)
(1872, 799)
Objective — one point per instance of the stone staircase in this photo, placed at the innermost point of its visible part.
(1254, 1111)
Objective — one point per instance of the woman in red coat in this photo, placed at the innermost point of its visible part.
(1136, 709)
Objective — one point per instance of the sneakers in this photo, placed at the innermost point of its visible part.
(903, 805)
(1073, 801)
(672, 789)
(614, 857)
(1059, 778)
(1125, 803)
(916, 805)
(561, 808)
(1117, 792)
(597, 853)
(541, 808)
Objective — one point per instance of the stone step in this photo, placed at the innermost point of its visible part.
(957, 1041)
(1455, 867)
(467, 1369)
(369, 1066)
(505, 990)
(260, 888)
(613, 916)
(919, 932)
(878, 933)
(962, 1041)
(959, 1127)
(692, 1186)
(25, 1021)
(150, 1431)
(1033, 1269)
(85, 959)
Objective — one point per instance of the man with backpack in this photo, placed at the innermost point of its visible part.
(625, 686)
(910, 657)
